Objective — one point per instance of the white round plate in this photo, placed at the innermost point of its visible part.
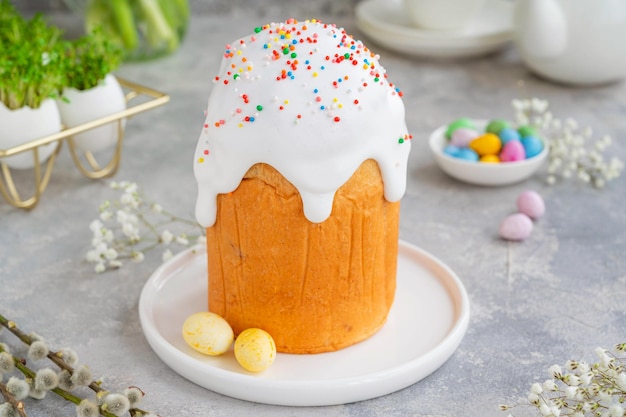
(425, 326)
(387, 23)
(479, 173)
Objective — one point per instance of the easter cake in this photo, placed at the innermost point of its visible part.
(300, 166)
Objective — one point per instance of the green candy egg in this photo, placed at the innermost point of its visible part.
(527, 131)
(462, 122)
(496, 125)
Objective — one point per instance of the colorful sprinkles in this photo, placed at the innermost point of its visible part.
(291, 47)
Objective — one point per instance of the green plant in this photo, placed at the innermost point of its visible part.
(31, 64)
(89, 59)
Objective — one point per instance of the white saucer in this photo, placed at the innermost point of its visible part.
(387, 24)
(425, 326)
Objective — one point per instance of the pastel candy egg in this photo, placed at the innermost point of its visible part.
(531, 204)
(527, 131)
(451, 150)
(467, 154)
(532, 146)
(516, 226)
(255, 350)
(513, 151)
(208, 333)
(490, 159)
(486, 144)
(495, 126)
(462, 136)
(462, 122)
(508, 134)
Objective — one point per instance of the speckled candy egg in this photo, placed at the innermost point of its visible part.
(516, 226)
(208, 333)
(531, 204)
(255, 350)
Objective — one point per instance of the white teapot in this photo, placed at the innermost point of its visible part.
(573, 41)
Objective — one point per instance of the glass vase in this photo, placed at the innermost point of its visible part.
(145, 29)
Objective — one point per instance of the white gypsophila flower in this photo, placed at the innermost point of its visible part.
(603, 356)
(131, 231)
(556, 371)
(115, 264)
(572, 380)
(550, 385)
(111, 254)
(137, 256)
(129, 200)
(571, 392)
(586, 377)
(167, 255)
(604, 396)
(106, 215)
(95, 225)
(536, 388)
(92, 256)
(620, 381)
(156, 208)
(616, 410)
(545, 410)
(533, 399)
(99, 268)
(166, 237)
(182, 239)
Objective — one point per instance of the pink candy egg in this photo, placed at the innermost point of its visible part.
(516, 226)
(531, 204)
(462, 136)
(513, 151)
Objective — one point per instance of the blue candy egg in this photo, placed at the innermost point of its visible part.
(467, 154)
(451, 150)
(532, 145)
(508, 134)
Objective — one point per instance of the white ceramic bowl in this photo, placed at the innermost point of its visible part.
(481, 173)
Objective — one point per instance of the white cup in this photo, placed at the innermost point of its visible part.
(442, 14)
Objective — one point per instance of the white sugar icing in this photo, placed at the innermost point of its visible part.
(309, 100)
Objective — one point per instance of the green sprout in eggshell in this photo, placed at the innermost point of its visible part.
(36, 63)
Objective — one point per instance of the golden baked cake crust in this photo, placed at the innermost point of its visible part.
(315, 287)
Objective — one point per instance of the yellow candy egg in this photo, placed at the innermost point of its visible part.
(208, 333)
(486, 144)
(491, 159)
(255, 350)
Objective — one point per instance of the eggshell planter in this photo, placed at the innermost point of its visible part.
(24, 125)
(87, 105)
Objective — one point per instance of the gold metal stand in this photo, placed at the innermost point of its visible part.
(92, 168)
